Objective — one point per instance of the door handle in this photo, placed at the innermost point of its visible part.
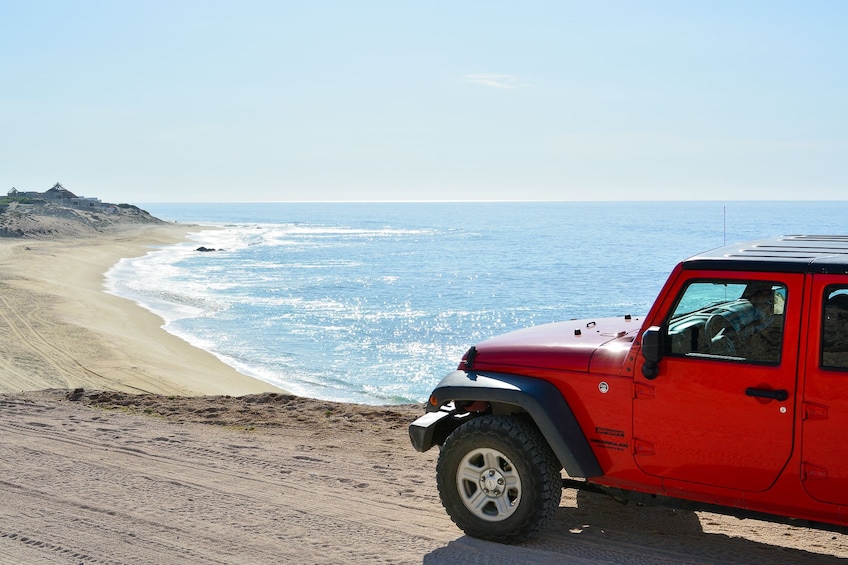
(779, 395)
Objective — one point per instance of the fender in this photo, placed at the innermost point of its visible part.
(540, 399)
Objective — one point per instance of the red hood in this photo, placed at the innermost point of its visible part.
(563, 346)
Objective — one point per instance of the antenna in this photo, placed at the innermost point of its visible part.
(724, 217)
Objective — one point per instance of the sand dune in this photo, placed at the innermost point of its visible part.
(110, 477)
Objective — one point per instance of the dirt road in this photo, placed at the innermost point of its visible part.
(118, 478)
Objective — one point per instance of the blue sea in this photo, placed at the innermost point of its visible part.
(375, 302)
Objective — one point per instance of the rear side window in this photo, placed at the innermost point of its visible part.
(834, 348)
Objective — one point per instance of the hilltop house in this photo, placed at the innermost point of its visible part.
(61, 195)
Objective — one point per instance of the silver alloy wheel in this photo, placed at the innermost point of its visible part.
(488, 484)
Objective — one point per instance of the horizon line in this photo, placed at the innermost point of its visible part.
(482, 201)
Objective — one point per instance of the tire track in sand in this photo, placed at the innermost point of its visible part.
(31, 340)
(80, 484)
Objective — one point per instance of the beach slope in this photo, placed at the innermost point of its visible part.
(109, 477)
(60, 329)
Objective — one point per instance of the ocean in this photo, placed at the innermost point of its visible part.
(375, 302)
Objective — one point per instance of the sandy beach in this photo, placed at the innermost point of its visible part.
(168, 455)
(61, 330)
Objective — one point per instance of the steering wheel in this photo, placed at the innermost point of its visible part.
(721, 335)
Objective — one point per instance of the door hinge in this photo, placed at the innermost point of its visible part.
(641, 447)
(644, 391)
(812, 472)
(814, 411)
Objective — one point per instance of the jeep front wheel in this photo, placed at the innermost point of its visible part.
(498, 479)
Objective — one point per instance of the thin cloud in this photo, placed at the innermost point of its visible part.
(493, 80)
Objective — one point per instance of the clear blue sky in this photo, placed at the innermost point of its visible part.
(145, 101)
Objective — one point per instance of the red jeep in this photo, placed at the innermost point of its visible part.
(731, 395)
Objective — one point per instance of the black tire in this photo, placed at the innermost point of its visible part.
(498, 479)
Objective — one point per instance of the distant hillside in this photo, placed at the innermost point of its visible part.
(25, 217)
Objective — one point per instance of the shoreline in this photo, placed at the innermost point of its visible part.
(59, 328)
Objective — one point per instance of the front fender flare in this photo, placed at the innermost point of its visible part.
(540, 399)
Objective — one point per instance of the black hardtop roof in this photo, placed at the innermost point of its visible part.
(790, 253)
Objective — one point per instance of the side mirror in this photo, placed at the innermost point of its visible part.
(652, 350)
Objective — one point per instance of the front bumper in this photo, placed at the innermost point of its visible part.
(430, 429)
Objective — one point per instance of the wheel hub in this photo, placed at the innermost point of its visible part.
(488, 484)
(492, 482)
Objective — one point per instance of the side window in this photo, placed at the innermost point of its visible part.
(738, 320)
(834, 352)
